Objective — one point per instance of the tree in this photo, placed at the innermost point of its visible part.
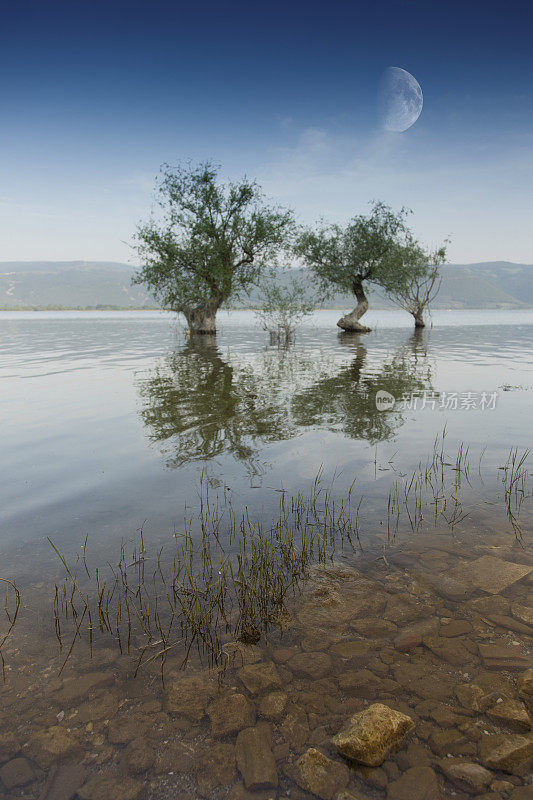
(283, 307)
(422, 287)
(369, 249)
(211, 243)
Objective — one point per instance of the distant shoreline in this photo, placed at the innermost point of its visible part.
(110, 309)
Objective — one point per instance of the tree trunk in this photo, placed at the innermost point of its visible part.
(202, 319)
(350, 322)
(419, 318)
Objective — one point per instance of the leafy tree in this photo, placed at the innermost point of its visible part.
(374, 249)
(210, 243)
(283, 308)
(423, 285)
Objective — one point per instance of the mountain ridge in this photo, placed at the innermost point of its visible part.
(107, 284)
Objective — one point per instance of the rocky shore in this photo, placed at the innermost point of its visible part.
(405, 678)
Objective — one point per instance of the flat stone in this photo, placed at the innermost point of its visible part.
(412, 636)
(316, 773)
(115, 787)
(466, 775)
(214, 767)
(400, 611)
(375, 627)
(230, 713)
(511, 753)
(126, 728)
(9, 746)
(352, 649)
(470, 696)
(63, 782)
(511, 714)
(17, 772)
(138, 757)
(418, 783)
(523, 793)
(523, 613)
(295, 727)
(310, 665)
(363, 683)
(370, 735)
(260, 678)
(496, 656)
(175, 757)
(238, 654)
(495, 604)
(255, 759)
(189, 696)
(53, 744)
(457, 627)
(103, 707)
(491, 574)
(525, 686)
(448, 649)
(450, 588)
(509, 623)
(75, 689)
(273, 705)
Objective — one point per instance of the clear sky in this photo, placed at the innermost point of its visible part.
(95, 96)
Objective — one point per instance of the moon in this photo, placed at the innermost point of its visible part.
(401, 99)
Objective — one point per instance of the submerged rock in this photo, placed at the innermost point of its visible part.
(310, 665)
(215, 766)
(369, 735)
(261, 677)
(512, 714)
(255, 759)
(273, 705)
(511, 753)
(316, 773)
(466, 775)
(496, 656)
(418, 783)
(523, 614)
(491, 574)
(230, 714)
(190, 695)
(53, 744)
(525, 687)
(17, 772)
(106, 787)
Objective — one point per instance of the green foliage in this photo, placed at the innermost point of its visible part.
(211, 241)
(378, 248)
(423, 284)
(283, 308)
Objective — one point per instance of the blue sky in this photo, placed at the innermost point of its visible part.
(94, 97)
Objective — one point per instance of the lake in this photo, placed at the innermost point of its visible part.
(115, 425)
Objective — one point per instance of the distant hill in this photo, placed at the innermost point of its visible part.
(107, 284)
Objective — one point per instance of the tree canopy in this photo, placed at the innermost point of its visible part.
(378, 248)
(210, 242)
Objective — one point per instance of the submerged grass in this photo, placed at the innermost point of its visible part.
(230, 576)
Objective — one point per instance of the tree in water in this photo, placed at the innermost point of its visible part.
(373, 249)
(211, 242)
(422, 287)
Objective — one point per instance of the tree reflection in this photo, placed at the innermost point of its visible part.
(346, 401)
(197, 405)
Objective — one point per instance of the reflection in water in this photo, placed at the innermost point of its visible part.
(199, 405)
(346, 401)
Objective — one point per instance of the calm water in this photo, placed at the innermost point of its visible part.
(114, 422)
(109, 419)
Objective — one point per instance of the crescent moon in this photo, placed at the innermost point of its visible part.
(401, 99)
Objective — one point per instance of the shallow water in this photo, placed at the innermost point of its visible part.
(117, 421)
